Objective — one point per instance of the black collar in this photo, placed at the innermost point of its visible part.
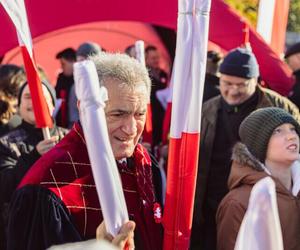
(237, 108)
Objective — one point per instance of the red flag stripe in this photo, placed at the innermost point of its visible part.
(180, 183)
(40, 107)
(147, 133)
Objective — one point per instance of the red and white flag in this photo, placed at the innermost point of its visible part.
(17, 13)
(189, 74)
(272, 22)
(139, 47)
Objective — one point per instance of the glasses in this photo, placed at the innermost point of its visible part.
(241, 85)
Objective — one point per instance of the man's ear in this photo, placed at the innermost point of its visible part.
(78, 104)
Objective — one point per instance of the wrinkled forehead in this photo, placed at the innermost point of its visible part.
(114, 84)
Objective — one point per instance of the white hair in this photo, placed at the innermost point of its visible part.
(122, 67)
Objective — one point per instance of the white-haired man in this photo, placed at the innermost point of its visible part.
(57, 200)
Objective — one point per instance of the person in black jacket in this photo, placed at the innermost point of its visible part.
(24, 145)
(159, 80)
(65, 81)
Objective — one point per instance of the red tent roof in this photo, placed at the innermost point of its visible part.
(112, 36)
(225, 27)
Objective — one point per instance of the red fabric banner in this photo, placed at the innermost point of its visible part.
(183, 187)
(147, 134)
(40, 107)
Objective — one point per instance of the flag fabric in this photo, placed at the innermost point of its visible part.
(189, 74)
(272, 22)
(17, 13)
(280, 21)
(92, 117)
(260, 228)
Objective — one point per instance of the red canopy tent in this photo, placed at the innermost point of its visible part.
(225, 27)
(112, 36)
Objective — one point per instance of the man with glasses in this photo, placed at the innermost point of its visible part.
(221, 117)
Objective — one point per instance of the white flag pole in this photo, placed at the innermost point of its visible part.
(92, 102)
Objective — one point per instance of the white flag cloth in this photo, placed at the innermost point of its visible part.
(92, 102)
(17, 12)
(265, 19)
(86, 245)
(296, 177)
(189, 67)
(260, 228)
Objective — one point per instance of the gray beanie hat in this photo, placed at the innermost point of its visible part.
(88, 49)
(256, 129)
(240, 62)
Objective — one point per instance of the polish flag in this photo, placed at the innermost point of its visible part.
(189, 74)
(140, 56)
(17, 13)
(272, 23)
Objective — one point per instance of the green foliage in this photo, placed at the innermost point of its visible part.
(247, 8)
(294, 16)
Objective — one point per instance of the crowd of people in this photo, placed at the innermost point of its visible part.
(47, 191)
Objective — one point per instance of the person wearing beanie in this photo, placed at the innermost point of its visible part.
(269, 146)
(87, 49)
(292, 57)
(83, 52)
(24, 145)
(240, 94)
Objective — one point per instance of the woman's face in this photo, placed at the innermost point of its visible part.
(283, 147)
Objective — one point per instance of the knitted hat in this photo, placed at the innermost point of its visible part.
(46, 84)
(294, 49)
(88, 49)
(240, 62)
(256, 129)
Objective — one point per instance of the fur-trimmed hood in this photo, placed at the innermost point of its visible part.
(242, 155)
(245, 169)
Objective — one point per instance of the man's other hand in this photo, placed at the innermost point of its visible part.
(123, 239)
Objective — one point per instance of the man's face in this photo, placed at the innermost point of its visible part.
(126, 116)
(67, 66)
(236, 90)
(152, 59)
(26, 108)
